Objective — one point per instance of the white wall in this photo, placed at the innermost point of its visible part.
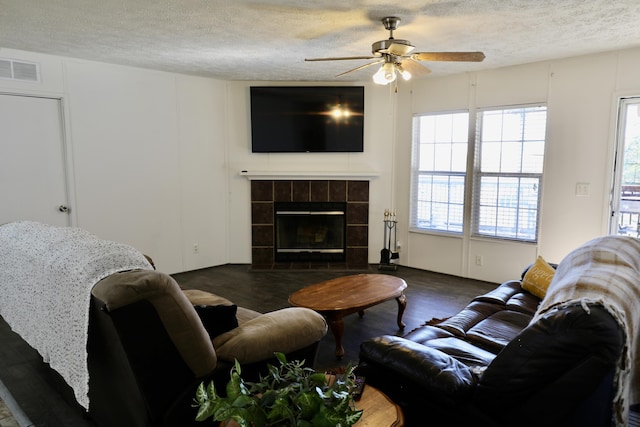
(581, 96)
(147, 151)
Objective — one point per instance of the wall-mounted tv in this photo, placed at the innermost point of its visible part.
(297, 119)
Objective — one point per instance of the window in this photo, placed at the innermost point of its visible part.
(440, 164)
(510, 155)
(506, 178)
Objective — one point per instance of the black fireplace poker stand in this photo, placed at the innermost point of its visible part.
(389, 252)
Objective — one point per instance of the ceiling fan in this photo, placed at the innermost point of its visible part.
(396, 57)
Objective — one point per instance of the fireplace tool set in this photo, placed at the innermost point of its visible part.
(390, 250)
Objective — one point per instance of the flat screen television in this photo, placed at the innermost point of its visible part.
(314, 119)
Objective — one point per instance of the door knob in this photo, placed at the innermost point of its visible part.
(63, 208)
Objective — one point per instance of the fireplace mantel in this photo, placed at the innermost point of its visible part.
(307, 175)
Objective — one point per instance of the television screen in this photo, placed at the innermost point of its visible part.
(295, 119)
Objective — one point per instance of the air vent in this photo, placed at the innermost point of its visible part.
(19, 70)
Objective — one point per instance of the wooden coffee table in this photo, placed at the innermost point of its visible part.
(346, 295)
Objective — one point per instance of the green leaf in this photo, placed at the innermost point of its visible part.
(236, 366)
(309, 404)
(318, 378)
(353, 418)
(321, 419)
(268, 398)
(242, 401)
(201, 394)
(205, 411)
(233, 386)
(211, 390)
(281, 357)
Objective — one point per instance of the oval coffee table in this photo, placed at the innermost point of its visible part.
(346, 295)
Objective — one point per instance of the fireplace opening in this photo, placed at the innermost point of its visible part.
(310, 231)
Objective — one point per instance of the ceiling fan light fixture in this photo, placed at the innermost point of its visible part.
(404, 73)
(385, 75)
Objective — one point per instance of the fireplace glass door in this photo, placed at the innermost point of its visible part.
(310, 231)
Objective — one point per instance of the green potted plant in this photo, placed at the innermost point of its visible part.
(289, 395)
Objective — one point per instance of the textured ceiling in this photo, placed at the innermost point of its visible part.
(268, 40)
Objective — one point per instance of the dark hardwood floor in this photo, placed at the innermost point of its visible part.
(429, 295)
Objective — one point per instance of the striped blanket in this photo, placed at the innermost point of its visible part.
(606, 271)
(46, 276)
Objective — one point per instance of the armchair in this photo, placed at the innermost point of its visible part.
(149, 349)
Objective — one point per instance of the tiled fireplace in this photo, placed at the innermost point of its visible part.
(354, 195)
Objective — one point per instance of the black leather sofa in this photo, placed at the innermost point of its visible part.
(486, 366)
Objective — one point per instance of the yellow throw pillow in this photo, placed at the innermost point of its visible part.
(538, 278)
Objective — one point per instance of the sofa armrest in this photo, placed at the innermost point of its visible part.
(553, 367)
(284, 330)
(430, 368)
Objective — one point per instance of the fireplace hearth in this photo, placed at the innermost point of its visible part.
(309, 224)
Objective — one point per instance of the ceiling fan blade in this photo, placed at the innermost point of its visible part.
(416, 69)
(448, 56)
(399, 49)
(361, 67)
(341, 58)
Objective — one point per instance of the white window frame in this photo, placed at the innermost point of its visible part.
(453, 202)
(473, 176)
(515, 216)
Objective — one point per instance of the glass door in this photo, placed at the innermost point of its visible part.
(625, 206)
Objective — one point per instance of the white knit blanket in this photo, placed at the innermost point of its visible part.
(46, 277)
(606, 271)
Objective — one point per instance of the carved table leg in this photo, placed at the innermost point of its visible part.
(337, 328)
(402, 304)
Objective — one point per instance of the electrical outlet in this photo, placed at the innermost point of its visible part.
(479, 260)
(196, 248)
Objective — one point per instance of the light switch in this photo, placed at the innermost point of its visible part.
(582, 189)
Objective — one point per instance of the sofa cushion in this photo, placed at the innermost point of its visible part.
(538, 278)
(199, 297)
(425, 366)
(502, 293)
(426, 333)
(497, 330)
(523, 302)
(468, 317)
(463, 351)
(283, 331)
(245, 314)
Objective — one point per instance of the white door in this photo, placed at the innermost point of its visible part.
(32, 161)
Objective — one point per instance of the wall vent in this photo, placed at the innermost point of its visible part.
(19, 70)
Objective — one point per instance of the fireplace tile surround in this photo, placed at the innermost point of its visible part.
(265, 192)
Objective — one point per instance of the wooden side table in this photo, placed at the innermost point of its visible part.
(379, 410)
